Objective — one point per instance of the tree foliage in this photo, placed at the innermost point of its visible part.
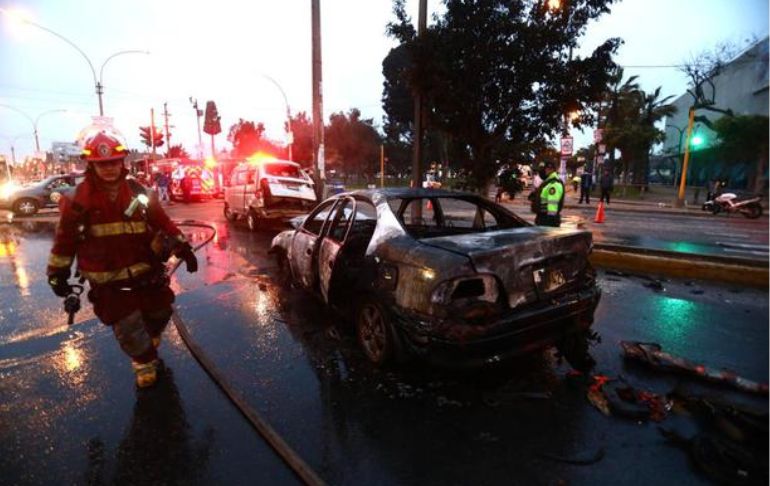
(631, 125)
(745, 138)
(352, 143)
(177, 152)
(497, 76)
(302, 149)
(247, 138)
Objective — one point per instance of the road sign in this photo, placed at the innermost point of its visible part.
(566, 146)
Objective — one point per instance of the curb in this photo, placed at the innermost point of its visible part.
(743, 271)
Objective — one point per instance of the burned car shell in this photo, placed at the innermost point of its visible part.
(508, 313)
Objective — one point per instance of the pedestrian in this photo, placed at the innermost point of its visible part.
(585, 187)
(162, 182)
(186, 184)
(605, 183)
(549, 197)
(115, 228)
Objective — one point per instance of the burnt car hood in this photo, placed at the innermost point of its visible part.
(516, 255)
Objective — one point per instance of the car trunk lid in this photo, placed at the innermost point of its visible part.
(532, 263)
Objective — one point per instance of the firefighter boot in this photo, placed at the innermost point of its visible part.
(146, 373)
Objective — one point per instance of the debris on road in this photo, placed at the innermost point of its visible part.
(616, 397)
(653, 355)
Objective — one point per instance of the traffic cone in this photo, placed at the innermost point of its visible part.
(599, 213)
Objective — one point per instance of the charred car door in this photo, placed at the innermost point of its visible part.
(333, 240)
(304, 244)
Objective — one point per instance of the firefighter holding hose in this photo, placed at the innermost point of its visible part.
(121, 237)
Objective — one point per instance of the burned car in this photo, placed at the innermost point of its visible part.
(447, 276)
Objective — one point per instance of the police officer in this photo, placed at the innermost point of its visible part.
(550, 196)
(114, 229)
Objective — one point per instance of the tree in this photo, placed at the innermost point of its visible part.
(147, 137)
(177, 152)
(352, 143)
(302, 149)
(745, 138)
(246, 137)
(496, 75)
(633, 128)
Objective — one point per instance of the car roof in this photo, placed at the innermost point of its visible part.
(407, 192)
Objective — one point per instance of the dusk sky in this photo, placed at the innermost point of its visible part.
(222, 51)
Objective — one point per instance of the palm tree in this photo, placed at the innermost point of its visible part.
(633, 128)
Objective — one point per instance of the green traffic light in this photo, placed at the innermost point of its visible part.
(696, 141)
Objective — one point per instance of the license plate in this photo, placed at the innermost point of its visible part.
(549, 279)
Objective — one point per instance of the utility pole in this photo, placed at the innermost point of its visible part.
(318, 121)
(166, 114)
(152, 140)
(422, 27)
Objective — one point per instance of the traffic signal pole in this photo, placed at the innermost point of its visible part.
(690, 122)
(152, 140)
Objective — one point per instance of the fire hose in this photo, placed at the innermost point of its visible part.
(279, 445)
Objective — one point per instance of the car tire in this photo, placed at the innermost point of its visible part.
(229, 214)
(252, 221)
(574, 348)
(26, 207)
(375, 334)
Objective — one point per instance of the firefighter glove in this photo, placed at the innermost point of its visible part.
(186, 253)
(59, 284)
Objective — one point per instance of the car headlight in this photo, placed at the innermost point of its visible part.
(8, 189)
(478, 287)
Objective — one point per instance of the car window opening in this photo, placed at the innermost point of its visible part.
(447, 216)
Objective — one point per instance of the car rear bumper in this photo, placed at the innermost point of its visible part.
(463, 345)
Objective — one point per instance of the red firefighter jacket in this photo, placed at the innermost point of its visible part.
(113, 251)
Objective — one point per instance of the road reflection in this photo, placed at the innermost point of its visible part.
(158, 446)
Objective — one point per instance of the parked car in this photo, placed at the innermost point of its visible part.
(447, 276)
(28, 200)
(270, 189)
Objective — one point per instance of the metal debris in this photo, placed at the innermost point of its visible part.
(653, 355)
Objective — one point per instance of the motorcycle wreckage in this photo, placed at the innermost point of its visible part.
(729, 202)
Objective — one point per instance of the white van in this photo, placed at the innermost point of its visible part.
(268, 189)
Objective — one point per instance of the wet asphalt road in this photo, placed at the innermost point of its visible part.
(70, 413)
(705, 234)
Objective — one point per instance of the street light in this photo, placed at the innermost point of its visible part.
(97, 81)
(290, 135)
(34, 122)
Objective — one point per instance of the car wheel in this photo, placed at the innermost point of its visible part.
(574, 348)
(376, 335)
(26, 207)
(229, 214)
(252, 221)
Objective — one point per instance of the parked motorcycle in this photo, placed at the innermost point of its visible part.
(729, 202)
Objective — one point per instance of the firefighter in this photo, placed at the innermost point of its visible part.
(117, 232)
(550, 197)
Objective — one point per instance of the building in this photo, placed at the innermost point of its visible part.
(742, 87)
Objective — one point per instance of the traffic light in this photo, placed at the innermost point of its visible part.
(146, 135)
(211, 124)
(696, 141)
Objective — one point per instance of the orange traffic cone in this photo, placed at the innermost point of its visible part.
(600, 213)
